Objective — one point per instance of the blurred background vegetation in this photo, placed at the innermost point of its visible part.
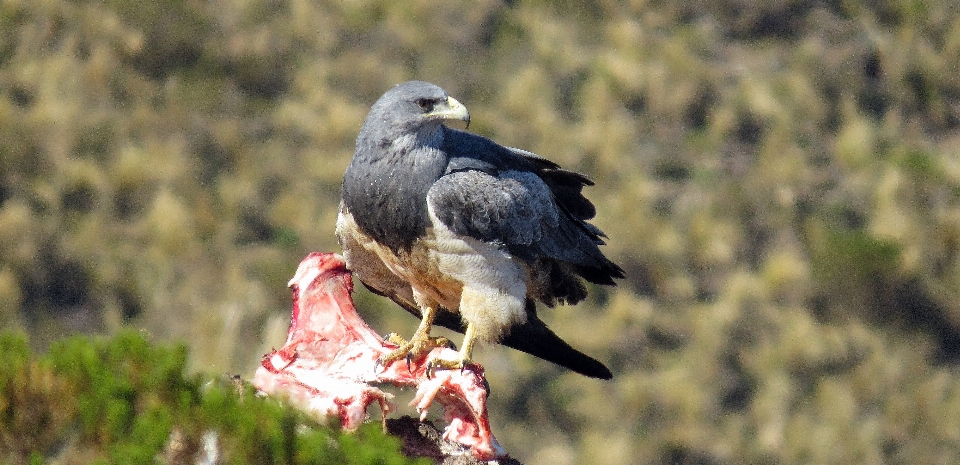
(780, 180)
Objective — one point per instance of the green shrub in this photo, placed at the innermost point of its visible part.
(124, 400)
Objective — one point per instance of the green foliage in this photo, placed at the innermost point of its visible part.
(123, 400)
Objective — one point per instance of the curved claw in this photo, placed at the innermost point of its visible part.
(413, 349)
(379, 364)
(394, 339)
(443, 364)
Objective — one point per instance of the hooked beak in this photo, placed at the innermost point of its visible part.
(454, 112)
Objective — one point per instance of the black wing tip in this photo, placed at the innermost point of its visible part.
(604, 275)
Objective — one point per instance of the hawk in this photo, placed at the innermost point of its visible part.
(465, 233)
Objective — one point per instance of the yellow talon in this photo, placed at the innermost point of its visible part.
(413, 349)
(419, 345)
(462, 361)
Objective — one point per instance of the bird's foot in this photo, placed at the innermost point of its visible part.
(461, 363)
(413, 349)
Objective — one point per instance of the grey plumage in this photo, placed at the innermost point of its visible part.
(431, 216)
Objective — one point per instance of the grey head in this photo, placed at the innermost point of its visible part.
(414, 108)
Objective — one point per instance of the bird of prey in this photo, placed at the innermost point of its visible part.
(466, 233)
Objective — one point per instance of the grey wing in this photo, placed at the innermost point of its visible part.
(516, 209)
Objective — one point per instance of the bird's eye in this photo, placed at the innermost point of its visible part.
(425, 104)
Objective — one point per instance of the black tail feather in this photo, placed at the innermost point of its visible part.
(535, 338)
